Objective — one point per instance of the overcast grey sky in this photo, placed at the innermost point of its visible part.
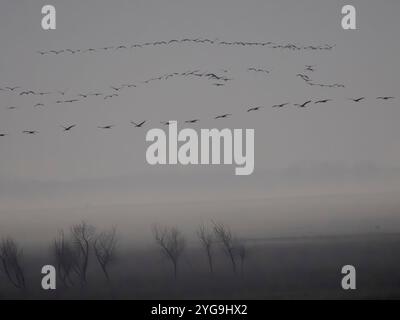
(338, 147)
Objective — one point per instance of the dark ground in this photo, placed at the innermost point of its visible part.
(291, 268)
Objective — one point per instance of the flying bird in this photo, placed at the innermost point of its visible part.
(27, 92)
(280, 105)
(110, 96)
(385, 98)
(3, 134)
(138, 125)
(106, 127)
(192, 121)
(226, 115)
(310, 68)
(30, 132)
(12, 88)
(72, 100)
(253, 109)
(357, 99)
(68, 128)
(323, 101)
(303, 105)
(38, 105)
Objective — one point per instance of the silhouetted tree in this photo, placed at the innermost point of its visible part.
(207, 240)
(105, 249)
(224, 235)
(67, 259)
(172, 244)
(10, 256)
(82, 235)
(241, 251)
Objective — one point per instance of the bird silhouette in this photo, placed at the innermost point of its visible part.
(253, 109)
(303, 105)
(310, 68)
(69, 127)
(71, 101)
(11, 108)
(323, 101)
(226, 115)
(12, 88)
(129, 85)
(116, 88)
(3, 134)
(166, 123)
(192, 121)
(27, 92)
(138, 125)
(110, 96)
(56, 52)
(357, 99)
(106, 127)
(33, 132)
(385, 98)
(38, 105)
(280, 105)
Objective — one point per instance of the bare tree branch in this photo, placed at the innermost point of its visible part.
(67, 259)
(241, 251)
(224, 235)
(105, 249)
(172, 244)
(207, 240)
(10, 255)
(82, 235)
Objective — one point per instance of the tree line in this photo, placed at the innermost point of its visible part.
(73, 251)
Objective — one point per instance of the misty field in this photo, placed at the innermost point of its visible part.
(274, 268)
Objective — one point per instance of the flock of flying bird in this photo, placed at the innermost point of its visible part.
(220, 116)
(218, 79)
(269, 44)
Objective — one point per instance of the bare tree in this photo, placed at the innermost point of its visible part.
(224, 235)
(105, 249)
(82, 235)
(242, 253)
(67, 259)
(10, 256)
(207, 240)
(172, 243)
